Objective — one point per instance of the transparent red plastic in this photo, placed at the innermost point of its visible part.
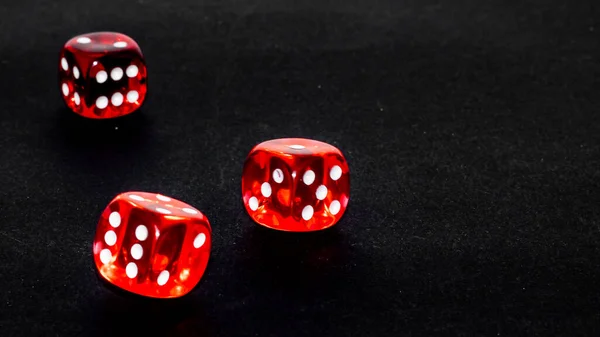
(152, 245)
(295, 184)
(102, 75)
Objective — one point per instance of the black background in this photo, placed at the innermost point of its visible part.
(471, 130)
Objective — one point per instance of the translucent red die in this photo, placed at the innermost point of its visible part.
(102, 75)
(152, 245)
(295, 184)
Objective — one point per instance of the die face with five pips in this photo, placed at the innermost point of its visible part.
(152, 245)
(102, 75)
(295, 184)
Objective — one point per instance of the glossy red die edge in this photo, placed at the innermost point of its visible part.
(152, 245)
(295, 184)
(102, 75)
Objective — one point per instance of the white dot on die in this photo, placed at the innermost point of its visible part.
(120, 44)
(253, 203)
(163, 210)
(132, 96)
(84, 40)
(335, 173)
(101, 76)
(199, 240)
(132, 71)
(131, 270)
(116, 74)
(163, 277)
(105, 256)
(117, 99)
(307, 212)
(321, 192)
(75, 72)
(189, 210)
(64, 64)
(141, 232)
(114, 219)
(101, 102)
(309, 177)
(110, 238)
(137, 251)
(278, 175)
(65, 89)
(334, 207)
(297, 147)
(162, 198)
(265, 189)
(76, 98)
(136, 197)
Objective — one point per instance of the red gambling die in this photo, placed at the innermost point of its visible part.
(295, 184)
(152, 245)
(102, 75)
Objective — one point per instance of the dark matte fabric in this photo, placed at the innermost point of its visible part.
(471, 129)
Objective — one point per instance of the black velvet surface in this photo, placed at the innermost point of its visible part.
(471, 130)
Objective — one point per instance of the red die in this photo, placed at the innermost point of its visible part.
(152, 245)
(102, 75)
(295, 184)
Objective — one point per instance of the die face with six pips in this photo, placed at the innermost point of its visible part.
(295, 184)
(102, 75)
(152, 245)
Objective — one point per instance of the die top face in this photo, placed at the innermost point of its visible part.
(295, 184)
(97, 43)
(152, 245)
(162, 204)
(102, 75)
(293, 149)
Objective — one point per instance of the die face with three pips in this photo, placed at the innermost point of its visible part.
(102, 75)
(295, 184)
(152, 245)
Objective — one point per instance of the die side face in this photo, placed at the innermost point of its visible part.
(152, 245)
(102, 75)
(295, 184)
